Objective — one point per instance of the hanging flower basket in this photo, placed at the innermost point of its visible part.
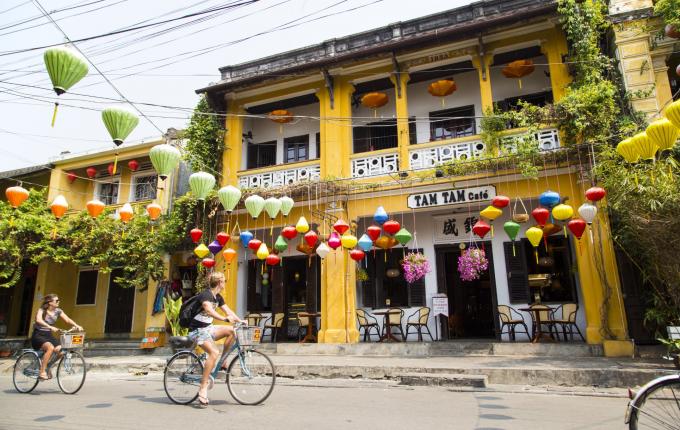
(471, 263)
(362, 274)
(415, 266)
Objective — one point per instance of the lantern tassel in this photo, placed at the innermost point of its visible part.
(115, 164)
(492, 230)
(513, 249)
(54, 114)
(536, 254)
(520, 83)
(590, 230)
(565, 231)
(443, 102)
(228, 270)
(54, 232)
(579, 247)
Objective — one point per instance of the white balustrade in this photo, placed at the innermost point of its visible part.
(279, 178)
(548, 140)
(375, 165)
(430, 157)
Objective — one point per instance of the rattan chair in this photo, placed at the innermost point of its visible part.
(303, 323)
(567, 320)
(418, 320)
(367, 322)
(394, 320)
(254, 318)
(274, 326)
(547, 319)
(511, 318)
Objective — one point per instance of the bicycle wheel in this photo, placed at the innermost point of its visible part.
(182, 377)
(26, 371)
(658, 408)
(251, 377)
(71, 372)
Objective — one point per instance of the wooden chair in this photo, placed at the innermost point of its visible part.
(511, 318)
(418, 320)
(367, 322)
(303, 324)
(254, 318)
(568, 320)
(274, 326)
(394, 320)
(547, 319)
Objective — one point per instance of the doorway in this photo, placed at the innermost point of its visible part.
(119, 306)
(472, 304)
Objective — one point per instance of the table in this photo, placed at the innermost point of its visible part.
(309, 337)
(255, 318)
(388, 336)
(538, 333)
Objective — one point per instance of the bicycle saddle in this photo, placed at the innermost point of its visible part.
(181, 341)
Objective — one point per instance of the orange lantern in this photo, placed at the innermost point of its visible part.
(16, 195)
(374, 101)
(281, 116)
(59, 206)
(229, 254)
(154, 211)
(442, 88)
(126, 213)
(94, 208)
(518, 69)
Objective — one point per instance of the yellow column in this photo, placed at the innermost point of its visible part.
(233, 144)
(401, 103)
(553, 49)
(336, 132)
(481, 63)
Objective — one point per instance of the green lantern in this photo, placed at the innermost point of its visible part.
(403, 236)
(229, 197)
(512, 228)
(66, 67)
(272, 206)
(281, 244)
(120, 122)
(286, 205)
(164, 159)
(254, 205)
(201, 183)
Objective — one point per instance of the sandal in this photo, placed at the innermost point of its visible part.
(43, 377)
(203, 400)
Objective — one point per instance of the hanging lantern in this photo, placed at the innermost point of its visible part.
(59, 206)
(365, 242)
(672, 112)
(373, 232)
(348, 241)
(126, 213)
(562, 212)
(255, 244)
(164, 159)
(357, 254)
(663, 133)
(110, 168)
(628, 151)
(119, 121)
(511, 229)
(644, 146)
(66, 67)
(304, 248)
(341, 226)
(391, 227)
(196, 234)
(534, 234)
(577, 227)
(133, 165)
(201, 251)
(380, 216)
(518, 69)
(208, 263)
(245, 237)
(222, 238)
(215, 247)
(374, 100)
(588, 212)
(254, 205)
(16, 195)
(302, 226)
(403, 236)
(154, 211)
(322, 250)
(500, 202)
(549, 199)
(281, 116)
(262, 251)
(549, 229)
(289, 232)
(201, 183)
(311, 238)
(71, 177)
(229, 255)
(481, 229)
(91, 172)
(334, 240)
(280, 244)
(540, 215)
(442, 88)
(491, 213)
(385, 242)
(94, 208)
(272, 259)
(286, 205)
(595, 194)
(272, 206)
(229, 196)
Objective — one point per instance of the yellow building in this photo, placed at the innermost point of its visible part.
(301, 123)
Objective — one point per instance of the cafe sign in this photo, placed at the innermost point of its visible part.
(451, 197)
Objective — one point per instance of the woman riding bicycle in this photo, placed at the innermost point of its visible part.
(42, 339)
(205, 334)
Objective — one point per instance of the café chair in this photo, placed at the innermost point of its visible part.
(274, 326)
(254, 318)
(303, 324)
(418, 320)
(367, 322)
(567, 320)
(546, 314)
(394, 320)
(511, 318)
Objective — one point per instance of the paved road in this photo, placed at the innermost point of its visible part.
(139, 402)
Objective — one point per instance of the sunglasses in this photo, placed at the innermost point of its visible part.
(56, 300)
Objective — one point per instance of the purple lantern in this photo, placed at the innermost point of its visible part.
(215, 247)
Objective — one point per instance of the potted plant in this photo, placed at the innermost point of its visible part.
(171, 308)
(415, 266)
(471, 263)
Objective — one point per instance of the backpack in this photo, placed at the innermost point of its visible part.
(189, 310)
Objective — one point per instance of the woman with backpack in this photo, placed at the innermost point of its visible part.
(204, 333)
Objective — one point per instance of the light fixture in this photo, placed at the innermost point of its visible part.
(296, 276)
(546, 261)
(438, 173)
(392, 273)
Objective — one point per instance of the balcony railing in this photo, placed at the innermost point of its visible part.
(548, 140)
(281, 176)
(375, 165)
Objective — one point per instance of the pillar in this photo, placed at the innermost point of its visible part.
(336, 133)
(482, 63)
(554, 49)
(233, 144)
(401, 103)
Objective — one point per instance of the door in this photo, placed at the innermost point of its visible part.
(119, 306)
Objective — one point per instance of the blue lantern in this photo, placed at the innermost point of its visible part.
(365, 243)
(549, 199)
(246, 237)
(380, 216)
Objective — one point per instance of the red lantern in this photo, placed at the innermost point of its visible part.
(196, 234)
(357, 254)
(254, 244)
(289, 232)
(341, 226)
(373, 232)
(71, 177)
(273, 259)
(109, 168)
(311, 238)
(540, 215)
(222, 238)
(577, 226)
(133, 165)
(595, 194)
(208, 263)
(481, 229)
(391, 227)
(91, 172)
(500, 202)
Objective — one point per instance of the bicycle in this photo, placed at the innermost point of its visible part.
(71, 368)
(250, 375)
(656, 405)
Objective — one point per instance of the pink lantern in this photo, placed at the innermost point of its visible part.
(334, 240)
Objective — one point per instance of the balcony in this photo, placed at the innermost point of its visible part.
(281, 175)
(379, 163)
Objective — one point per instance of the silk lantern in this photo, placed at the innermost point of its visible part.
(208, 263)
(577, 227)
(341, 226)
(289, 232)
(245, 238)
(254, 205)
(215, 247)
(119, 122)
(380, 216)
(518, 69)
(91, 172)
(280, 244)
(491, 213)
(373, 231)
(500, 202)
(281, 116)
(672, 112)
(595, 194)
(322, 250)
(262, 251)
(229, 255)
(481, 229)
(644, 146)
(563, 212)
(286, 205)
(385, 242)
(272, 259)
(348, 241)
(302, 226)
(304, 248)
(334, 240)
(16, 195)
(534, 234)
(164, 159)
(663, 133)
(272, 206)
(94, 208)
(59, 206)
(311, 238)
(111, 168)
(196, 234)
(391, 227)
(365, 242)
(511, 229)
(133, 165)
(628, 151)
(442, 88)
(71, 177)
(549, 199)
(201, 183)
(588, 212)
(126, 213)
(222, 238)
(255, 244)
(66, 67)
(374, 100)
(229, 196)
(357, 254)
(403, 236)
(540, 215)
(548, 230)
(154, 211)
(201, 251)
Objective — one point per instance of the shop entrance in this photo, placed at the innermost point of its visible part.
(471, 304)
(119, 307)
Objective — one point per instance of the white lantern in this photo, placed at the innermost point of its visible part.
(322, 250)
(588, 212)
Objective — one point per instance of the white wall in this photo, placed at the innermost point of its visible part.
(536, 82)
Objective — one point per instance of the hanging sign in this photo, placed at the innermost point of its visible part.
(454, 227)
(454, 196)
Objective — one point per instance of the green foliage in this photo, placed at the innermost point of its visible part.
(205, 143)
(672, 344)
(172, 308)
(669, 10)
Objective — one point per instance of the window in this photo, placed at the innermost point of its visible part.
(107, 192)
(375, 136)
(296, 148)
(318, 145)
(454, 123)
(144, 187)
(262, 154)
(383, 288)
(536, 99)
(87, 287)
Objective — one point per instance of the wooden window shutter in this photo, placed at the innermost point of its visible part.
(416, 293)
(278, 292)
(253, 304)
(517, 274)
(312, 304)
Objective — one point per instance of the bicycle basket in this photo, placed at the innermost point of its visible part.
(249, 335)
(72, 340)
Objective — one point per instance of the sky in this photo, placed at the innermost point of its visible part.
(160, 65)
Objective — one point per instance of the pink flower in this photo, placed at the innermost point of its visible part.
(415, 267)
(471, 263)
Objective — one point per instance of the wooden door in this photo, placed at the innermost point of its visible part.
(119, 306)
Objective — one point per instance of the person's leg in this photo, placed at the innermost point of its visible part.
(226, 332)
(211, 349)
(48, 348)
